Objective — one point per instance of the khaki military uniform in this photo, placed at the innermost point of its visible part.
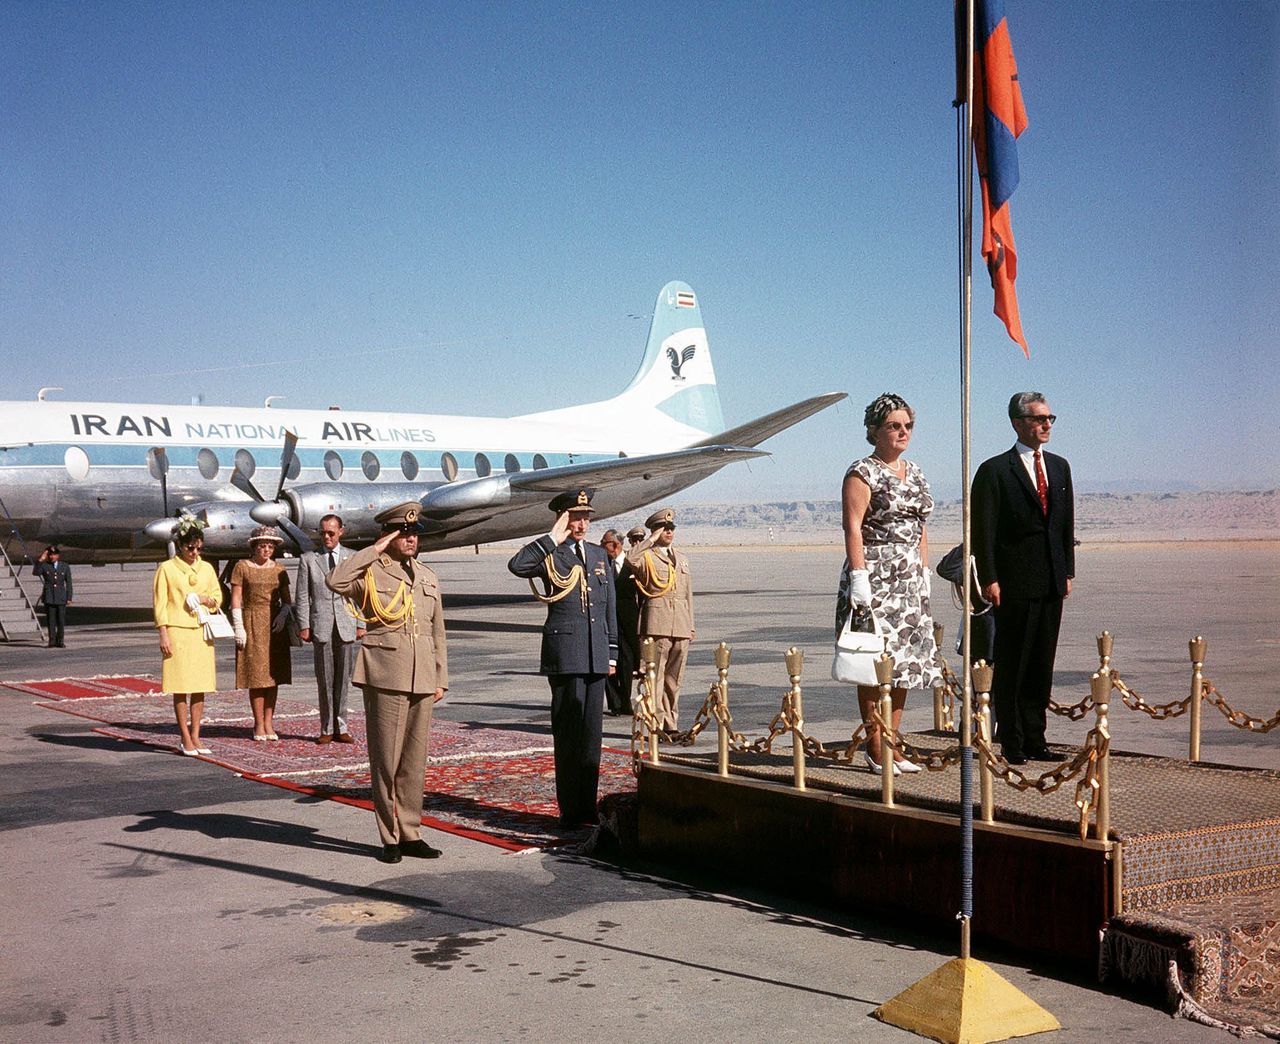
(399, 667)
(667, 618)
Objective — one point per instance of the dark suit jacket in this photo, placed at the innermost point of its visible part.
(627, 599)
(574, 640)
(57, 582)
(1031, 555)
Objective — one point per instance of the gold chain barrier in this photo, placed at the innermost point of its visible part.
(1089, 766)
(1202, 691)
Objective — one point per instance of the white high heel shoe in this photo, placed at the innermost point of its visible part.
(906, 767)
(875, 769)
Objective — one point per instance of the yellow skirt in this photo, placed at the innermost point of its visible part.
(191, 668)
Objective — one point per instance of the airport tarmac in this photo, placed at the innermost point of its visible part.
(152, 898)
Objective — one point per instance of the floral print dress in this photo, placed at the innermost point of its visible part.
(891, 531)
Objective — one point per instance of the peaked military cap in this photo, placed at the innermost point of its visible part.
(573, 500)
(403, 517)
(636, 533)
(661, 517)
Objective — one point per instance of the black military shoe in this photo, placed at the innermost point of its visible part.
(419, 849)
(389, 854)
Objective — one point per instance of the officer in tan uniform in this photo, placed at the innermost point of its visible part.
(666, 607)
(402, 668)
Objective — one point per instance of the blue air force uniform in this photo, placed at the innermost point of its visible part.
(56, 594)
(579, 644)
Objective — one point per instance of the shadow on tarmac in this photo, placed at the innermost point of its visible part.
(221, 825)
(547, 902)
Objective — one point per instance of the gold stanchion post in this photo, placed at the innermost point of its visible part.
(1197, 647)
(939, 719)
(795, 665)
(723, 655)
(1104, 652)
(982, 675)
(884, 675)
(649, 658)
(1100, 689)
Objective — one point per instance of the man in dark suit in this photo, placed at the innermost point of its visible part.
(56, 595)
(1024, 543)
(579, 646)
(627, 603)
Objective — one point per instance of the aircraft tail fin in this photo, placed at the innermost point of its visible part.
(672, 398)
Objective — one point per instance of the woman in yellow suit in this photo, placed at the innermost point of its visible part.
(188, 670)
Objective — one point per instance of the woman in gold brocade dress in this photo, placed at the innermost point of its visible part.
(259, 604)
(188, 670)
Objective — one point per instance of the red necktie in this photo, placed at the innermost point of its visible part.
(1042, 484)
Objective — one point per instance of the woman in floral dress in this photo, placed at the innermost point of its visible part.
(886, 502)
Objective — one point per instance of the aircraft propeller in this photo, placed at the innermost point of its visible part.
(275, 512)
(161, 460)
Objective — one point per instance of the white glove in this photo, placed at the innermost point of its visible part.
(237, 625)
(928, 582)
(193, 602)
(860, 586)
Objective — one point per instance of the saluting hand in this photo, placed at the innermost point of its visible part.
(561, 529)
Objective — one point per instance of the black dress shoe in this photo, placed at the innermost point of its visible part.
(1015, 758)
(1041, 754)
(389, 854)
(419, 849)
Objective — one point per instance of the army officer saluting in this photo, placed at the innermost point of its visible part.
(402, 669)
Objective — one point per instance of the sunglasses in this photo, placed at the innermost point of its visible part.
(1040, 418)
(897, 426)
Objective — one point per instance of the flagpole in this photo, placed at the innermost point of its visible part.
(966, 331)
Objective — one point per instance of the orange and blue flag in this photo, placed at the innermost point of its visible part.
(998, 117)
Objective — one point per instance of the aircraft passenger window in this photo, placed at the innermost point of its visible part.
(157, 464)
(483, 467)
(449, 466)
(409, 465)
(369, 464)
(333, 465)
(245, 464)
(510, 464)
(207, 462)
(539, 462)
(76, 461)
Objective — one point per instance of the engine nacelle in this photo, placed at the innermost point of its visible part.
(227, 525)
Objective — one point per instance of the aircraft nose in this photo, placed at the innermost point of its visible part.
(269, 513)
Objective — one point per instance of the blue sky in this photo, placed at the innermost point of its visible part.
(459, 208)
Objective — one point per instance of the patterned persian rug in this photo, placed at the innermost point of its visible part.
(493, 785)
(1217, 960)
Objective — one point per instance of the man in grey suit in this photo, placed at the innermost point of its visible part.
(326, 621)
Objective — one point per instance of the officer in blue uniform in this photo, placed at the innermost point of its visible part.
(579, 646)
(56, 594)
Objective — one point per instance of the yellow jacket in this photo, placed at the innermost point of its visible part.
(174, 581)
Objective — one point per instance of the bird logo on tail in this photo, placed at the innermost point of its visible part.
(678, 361)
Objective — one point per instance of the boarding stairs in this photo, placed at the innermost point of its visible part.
(18, 618)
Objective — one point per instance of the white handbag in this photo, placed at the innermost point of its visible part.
(857, 652)
(216, 625)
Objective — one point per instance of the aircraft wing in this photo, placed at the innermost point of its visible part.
(755, 432)
(509, 492)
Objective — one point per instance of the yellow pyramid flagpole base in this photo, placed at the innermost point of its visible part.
(965, 1002)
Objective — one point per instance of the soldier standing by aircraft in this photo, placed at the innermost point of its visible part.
(402, 669)
(579, 646)
(665, 583)
(56, 578)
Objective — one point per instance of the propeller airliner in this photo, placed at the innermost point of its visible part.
(107, 481)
